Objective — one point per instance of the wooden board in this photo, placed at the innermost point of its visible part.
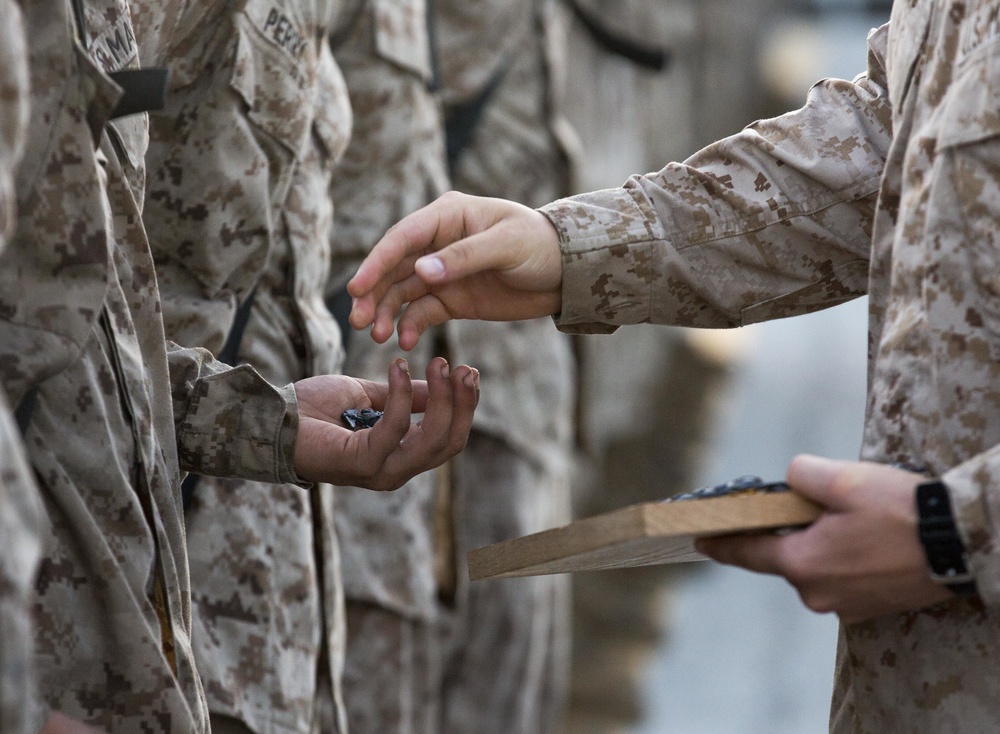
(639, 535)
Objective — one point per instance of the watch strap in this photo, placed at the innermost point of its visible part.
(947, 558)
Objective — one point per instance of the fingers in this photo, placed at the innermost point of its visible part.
(409, 237)
(363, 310)
(455, 237)
(466, 400)
(417, 318)
(843, 485)
(451, 403)
(395, 450)
(465, 387)
(383, 439)
(824, 481)
(461, 258)
(407, 291)
(759, 553)
(437, 417)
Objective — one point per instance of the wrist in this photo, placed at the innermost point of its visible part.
(947, 559)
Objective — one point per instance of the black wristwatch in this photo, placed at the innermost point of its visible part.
(946, 555)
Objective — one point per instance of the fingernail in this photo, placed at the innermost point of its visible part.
(445, 370)
(475, 378)
(470, 380)
(403, 366)
(430, 267)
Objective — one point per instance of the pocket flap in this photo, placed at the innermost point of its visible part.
(333, 121)
(971, 111)
(401, 34)
(274, 87)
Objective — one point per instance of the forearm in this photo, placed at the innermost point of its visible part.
(771, 222)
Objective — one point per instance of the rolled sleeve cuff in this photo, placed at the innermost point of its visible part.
(608, 241)
(974, 488)
(239, 425)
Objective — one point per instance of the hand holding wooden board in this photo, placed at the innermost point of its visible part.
(641, 535)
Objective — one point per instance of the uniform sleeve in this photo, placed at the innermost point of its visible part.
(230, 421)
(774, 221)
(972, 487)
(969, 347)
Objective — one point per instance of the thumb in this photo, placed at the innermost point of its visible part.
(817, 478)
(485, 251)
(512, 239)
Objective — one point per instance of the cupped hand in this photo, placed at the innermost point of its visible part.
(862, 558)
(387, 455)
(461, 257)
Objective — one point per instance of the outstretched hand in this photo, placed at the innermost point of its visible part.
(461, 257)
(862, 558)
(387, 455)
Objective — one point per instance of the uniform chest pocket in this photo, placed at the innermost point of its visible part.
(964, 205)
(333, 118)
(971, 110)
(274, 72)
(54, 274)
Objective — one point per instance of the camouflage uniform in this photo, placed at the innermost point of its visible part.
(238, 203)
(885, 185)
(20, 515)
(117, 409)
(507, 642)
(393, 165)
(20, 512)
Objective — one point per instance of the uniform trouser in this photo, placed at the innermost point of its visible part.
(324, 721)
(392, 667)
(507, 641)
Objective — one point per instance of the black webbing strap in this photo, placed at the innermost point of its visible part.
(81, 27)
(339, 305)
(227, 355)
(434, 83)
(188, 486)
(231, 349)
(25, 409)
(143, 90)
(641, 54)
(461, 120)
(343, 31)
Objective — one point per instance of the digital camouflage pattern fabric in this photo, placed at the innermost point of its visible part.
(21, 712)
(507, 642)
(396, 153)
(238, 203)
(882, 186)
(395, 164)
(79, 317)
(20, 509)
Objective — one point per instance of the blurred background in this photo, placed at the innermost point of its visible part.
(702, 648)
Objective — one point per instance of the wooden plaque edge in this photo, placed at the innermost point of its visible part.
(566, 548)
